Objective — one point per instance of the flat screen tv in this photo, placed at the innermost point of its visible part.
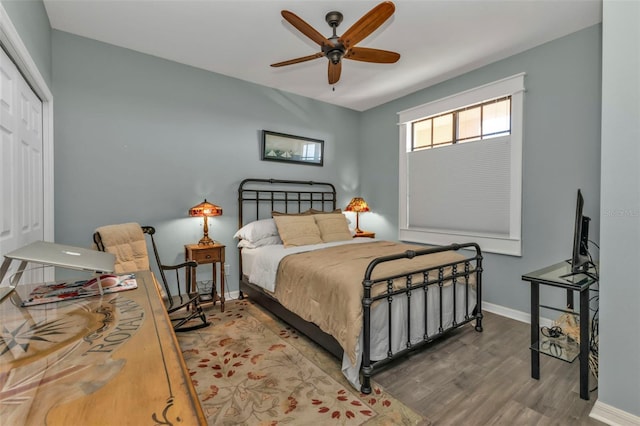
(580, 255)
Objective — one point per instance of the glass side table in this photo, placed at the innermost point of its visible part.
(558, 275)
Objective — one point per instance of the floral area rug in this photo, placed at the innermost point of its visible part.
(250, 368)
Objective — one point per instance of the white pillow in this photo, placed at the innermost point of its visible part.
(267, 241)
(257, 230)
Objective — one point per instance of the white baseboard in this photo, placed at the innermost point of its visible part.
(233, 295)
(513, 314)
(613, 416)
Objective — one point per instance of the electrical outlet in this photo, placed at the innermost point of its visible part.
(227, 269)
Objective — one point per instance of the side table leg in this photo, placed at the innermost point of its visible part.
(214, 283)
(222, 286)
(535, 330)
(584, 344)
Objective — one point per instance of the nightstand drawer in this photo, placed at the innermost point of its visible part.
(207, 255)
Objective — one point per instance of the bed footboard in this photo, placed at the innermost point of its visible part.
(432, 279)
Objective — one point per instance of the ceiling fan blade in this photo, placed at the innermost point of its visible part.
(367, 24)
(298, 60)
(366, 54)
(334, 72)
(305, 28)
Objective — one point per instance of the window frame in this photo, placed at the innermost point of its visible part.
(512, 243)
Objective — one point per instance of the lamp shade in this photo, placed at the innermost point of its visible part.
(357, 204)
(205, 210)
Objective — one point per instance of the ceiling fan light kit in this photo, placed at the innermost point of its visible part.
(335, 48)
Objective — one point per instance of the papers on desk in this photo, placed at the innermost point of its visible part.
(69, 289)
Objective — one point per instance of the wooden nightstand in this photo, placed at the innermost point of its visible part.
(203, 254)
(365, 234)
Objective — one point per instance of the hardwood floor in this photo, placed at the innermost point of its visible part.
(485, 379)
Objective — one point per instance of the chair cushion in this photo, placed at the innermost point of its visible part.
(127, 242)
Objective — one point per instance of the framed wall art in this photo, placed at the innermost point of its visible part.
(291, 149)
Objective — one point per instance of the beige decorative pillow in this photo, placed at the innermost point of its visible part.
(333, 227)
(298, 230)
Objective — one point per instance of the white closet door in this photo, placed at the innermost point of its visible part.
(21, 165)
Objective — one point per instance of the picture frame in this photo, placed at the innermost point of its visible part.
(286, 148)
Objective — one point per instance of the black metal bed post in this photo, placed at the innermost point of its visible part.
(478, 288)
(454, 290)
(440, 297)
(408, 284)
(240, 224)
(367, 369)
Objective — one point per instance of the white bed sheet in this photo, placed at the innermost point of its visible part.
(260, 265)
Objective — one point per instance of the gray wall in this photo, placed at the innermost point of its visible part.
(138, 138)
(561, 152)
(620, 208)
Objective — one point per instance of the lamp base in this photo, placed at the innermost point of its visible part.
(206, 241)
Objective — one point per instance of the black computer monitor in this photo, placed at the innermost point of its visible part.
(580, 255)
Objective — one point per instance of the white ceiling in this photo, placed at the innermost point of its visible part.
(437, 39)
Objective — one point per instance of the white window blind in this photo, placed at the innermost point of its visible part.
(473, 195)
(469, 191)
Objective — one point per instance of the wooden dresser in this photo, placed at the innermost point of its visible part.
(103, 360)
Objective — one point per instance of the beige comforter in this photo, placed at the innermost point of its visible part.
(325, 286)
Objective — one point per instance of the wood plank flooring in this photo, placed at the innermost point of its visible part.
(485, 379)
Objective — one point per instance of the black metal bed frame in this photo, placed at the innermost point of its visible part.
(294, 197)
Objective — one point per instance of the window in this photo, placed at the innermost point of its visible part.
(489, 119)
(461, 168)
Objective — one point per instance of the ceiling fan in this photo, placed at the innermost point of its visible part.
(335, 48)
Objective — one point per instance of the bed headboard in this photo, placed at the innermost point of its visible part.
(257, 198)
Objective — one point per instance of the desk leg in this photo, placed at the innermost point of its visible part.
(584, 344)
(535, 330)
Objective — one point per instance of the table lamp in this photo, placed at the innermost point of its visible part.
(357, 205)
(205, 209)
